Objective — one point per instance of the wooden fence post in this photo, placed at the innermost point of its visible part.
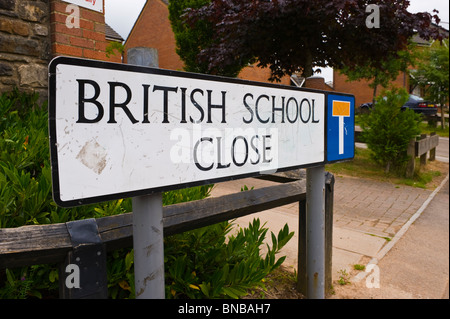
(301, 260)
(412, 155)
(433, 150)
(423, 157)
(329, 200)
(83, 273)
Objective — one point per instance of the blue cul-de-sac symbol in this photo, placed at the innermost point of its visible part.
(340, 127)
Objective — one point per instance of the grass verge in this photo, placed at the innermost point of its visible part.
(363, 166)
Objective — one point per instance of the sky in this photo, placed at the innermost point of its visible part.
(121, 15)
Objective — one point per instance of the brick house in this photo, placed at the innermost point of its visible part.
(152, 29)
(34, 32)
(113, 36)
(361, 90)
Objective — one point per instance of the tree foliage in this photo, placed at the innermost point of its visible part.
(191, 39)
(297, 35)
(382, 76)
(388, 129)
(433, 74)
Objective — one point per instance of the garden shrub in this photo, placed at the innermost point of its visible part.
(387, 130)
(203, 263)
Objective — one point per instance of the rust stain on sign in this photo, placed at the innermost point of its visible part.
(93, 156)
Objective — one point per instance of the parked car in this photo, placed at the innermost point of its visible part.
(415, 103)
(419, 105)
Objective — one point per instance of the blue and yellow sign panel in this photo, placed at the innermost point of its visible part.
(340, 127)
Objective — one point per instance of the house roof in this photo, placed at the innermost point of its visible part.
(112, 35)
(166, 2)
(421, 42)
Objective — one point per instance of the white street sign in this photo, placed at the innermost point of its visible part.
(120, 131)
(96, 5)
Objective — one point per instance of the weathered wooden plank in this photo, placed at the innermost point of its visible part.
(43, 244)
(191, 215)
(116, 231)
(285, 177)
(434, 141)
(30, 245)
(426, 144)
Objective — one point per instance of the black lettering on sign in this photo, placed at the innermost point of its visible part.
(203, 139)
(279, 109)
(216, 106)
(198, 106)
(82, 99)
(145, 108)
(123, 105)
(166, 90)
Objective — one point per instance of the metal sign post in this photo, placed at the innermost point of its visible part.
(148, 227)
(148, 245)
(315, 232)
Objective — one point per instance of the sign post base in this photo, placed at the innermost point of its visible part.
(315, 226)
(148, 243)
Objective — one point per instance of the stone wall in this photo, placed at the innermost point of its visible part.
(32, 32)
(25, 48)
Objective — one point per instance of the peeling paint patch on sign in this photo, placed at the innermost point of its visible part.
(93, 156)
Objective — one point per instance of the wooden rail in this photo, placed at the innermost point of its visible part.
(44, 244)
(419, 148)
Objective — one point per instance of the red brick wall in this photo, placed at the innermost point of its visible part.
(88, 41)
(360, 89)
(153, 30)
(318, 83)
(253, 73)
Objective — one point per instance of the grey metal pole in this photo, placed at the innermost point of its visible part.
(148, 244)
(315, 224)
(148, 236)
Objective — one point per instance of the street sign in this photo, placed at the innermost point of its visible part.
(121, 131)
(340, 127)
(96, 5)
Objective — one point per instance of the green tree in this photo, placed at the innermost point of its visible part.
(388, 129)
(433, 75)
(191, 40)
(114, 47)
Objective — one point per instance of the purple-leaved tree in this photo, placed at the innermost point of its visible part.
(297, 35)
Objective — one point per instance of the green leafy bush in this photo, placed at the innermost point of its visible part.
(213, 265)
(388, 129)
(202, 263)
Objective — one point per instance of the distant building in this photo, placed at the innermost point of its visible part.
(152, 29)
(112, 36)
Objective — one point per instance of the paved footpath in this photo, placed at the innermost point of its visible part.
(416, 264)
(367, 217)
(378, 208)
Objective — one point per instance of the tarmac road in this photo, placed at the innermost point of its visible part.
(442, 150)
